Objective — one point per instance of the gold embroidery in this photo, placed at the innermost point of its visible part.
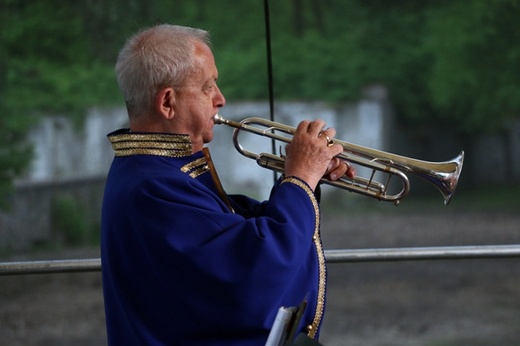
(196, 167)
(148, 137)
(200, 170)
(148, 151)
(320, 304)
(151, 145)
(125, 143)
(189, 166)
(159, 144)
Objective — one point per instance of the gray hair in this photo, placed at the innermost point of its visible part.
(152, 59)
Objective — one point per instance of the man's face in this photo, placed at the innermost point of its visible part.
(199, 100)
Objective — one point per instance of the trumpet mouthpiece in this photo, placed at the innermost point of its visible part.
(217, 119)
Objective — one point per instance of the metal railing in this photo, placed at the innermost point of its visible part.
(332, 256)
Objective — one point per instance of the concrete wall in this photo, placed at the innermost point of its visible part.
(65, 153)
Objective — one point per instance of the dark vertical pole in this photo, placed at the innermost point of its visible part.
(269, 72)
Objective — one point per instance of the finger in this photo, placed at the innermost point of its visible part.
(351, 170)
(335, 169)
(333, 164)
(328, 135)
(336, 173)
(338, 168)
(303, 126)
(327, 139)
(331, 132)
(316, 127)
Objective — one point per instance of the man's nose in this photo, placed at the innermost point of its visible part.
(220, 100)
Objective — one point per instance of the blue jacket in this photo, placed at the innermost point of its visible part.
(180, 268)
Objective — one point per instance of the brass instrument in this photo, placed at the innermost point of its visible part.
(443, 175)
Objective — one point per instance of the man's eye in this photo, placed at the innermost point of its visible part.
(209, 88)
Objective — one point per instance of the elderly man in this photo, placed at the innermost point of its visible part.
(183, 262)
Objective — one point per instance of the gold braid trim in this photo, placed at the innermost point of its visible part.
(193, 164)
(159, 144)
(196, 167)
(127, 143)
(320, 304)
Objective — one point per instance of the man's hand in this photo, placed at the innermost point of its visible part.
(311, 154)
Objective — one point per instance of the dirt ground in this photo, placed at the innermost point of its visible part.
(432, 303)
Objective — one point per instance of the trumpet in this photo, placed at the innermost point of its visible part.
(443, 175)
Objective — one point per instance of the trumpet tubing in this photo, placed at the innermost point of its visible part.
(443, 175)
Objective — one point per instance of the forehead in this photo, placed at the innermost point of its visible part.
(204, 63)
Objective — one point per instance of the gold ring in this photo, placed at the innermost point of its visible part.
(329, 141)
(327, 138)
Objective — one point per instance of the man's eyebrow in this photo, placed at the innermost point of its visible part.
(211, 80)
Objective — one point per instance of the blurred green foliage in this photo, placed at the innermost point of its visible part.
(446, 63)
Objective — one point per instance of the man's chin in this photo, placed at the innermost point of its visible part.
(208, 138)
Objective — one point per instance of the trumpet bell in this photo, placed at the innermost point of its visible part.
(444, 176)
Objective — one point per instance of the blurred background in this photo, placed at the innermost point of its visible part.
(424, 79)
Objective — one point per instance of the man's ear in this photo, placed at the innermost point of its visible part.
(165, 102)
